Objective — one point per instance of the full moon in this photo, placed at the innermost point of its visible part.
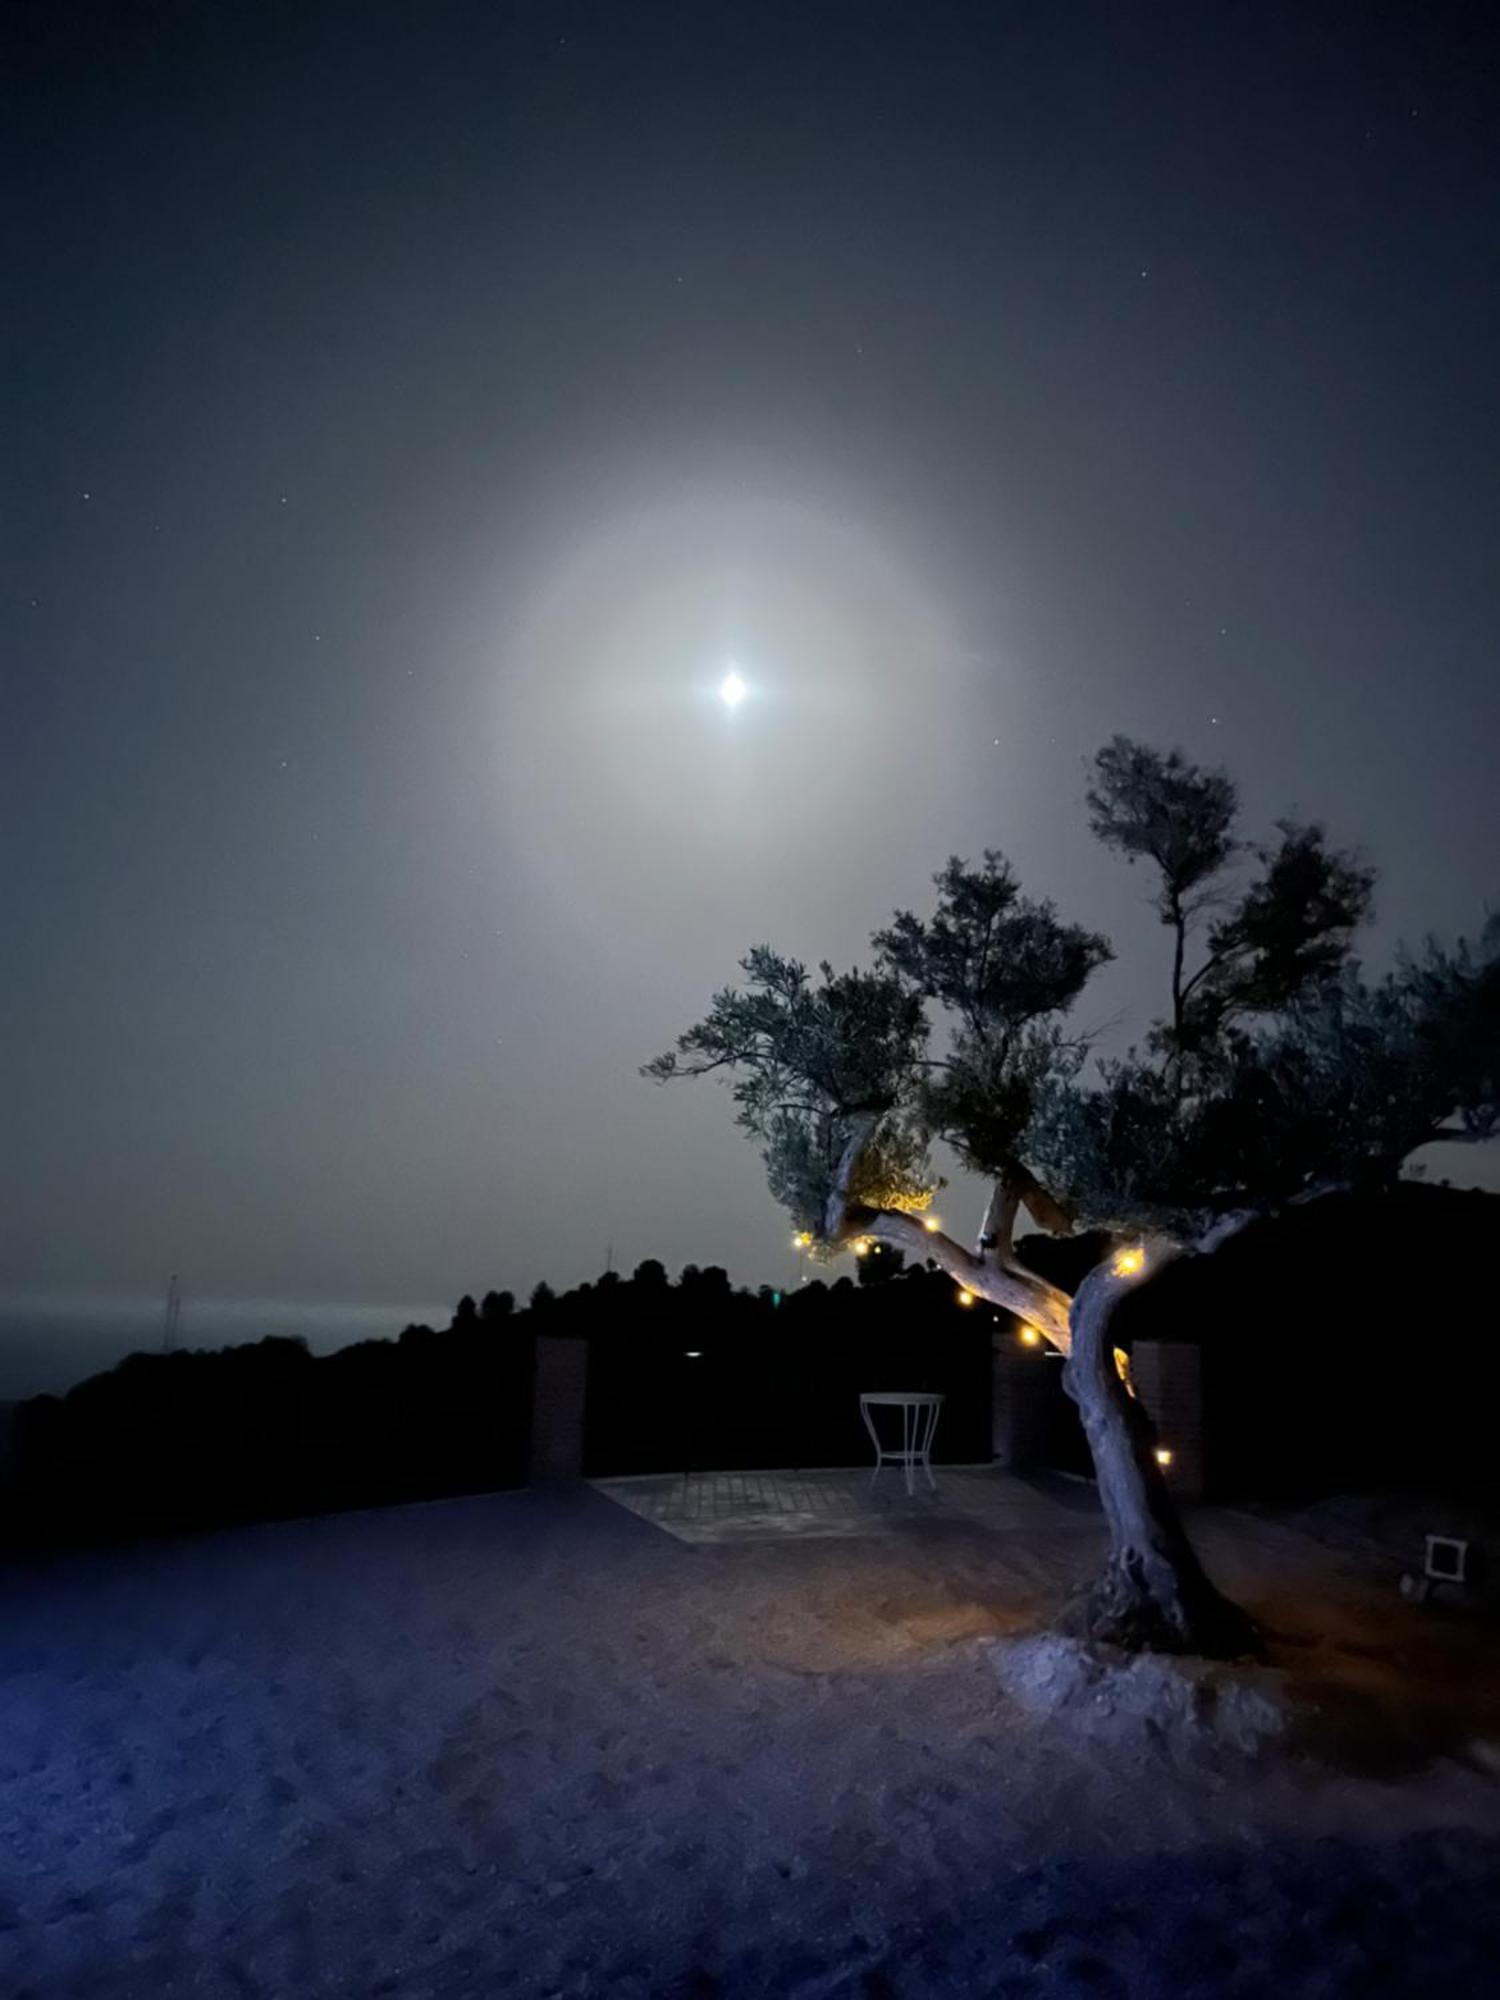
(732, 690)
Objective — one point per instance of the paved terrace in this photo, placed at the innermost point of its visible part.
(1039, 1534)
(841, 1502)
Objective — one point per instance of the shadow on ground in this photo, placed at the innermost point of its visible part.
(1416, 1917)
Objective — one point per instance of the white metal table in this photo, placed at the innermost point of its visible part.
(920, 1411)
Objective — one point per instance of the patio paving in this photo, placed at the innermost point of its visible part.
(1035, 1533)
(842, 1503)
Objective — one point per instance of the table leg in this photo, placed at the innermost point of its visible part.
(865, 1412)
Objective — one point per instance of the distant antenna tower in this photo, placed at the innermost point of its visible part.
(173, 1315)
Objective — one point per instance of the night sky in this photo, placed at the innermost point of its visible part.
(410, 414)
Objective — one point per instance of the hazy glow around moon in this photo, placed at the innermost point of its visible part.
(609, 778)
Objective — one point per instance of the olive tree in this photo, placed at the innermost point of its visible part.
(1276, 1072)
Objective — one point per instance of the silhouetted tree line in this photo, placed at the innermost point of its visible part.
(1349, 1345)
(268, 1429)
(1385, 1375)
(698, 1375)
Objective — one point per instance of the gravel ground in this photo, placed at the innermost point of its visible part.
(531, 1745)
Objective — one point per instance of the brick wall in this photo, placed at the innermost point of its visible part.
(1021, 1397)
(1168, 1378)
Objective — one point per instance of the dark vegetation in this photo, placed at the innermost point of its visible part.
(266, 1429)
(1346, 1347)
(190, 1439)
(696, 1375)
(1380, 1375)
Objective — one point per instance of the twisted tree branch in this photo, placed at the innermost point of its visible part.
(1009, 1286)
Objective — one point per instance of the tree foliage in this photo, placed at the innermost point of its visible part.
(1276, 1067)
(807, 1062)
(996, 959)
(1155, 806)
(1289, 933)
(1005, 970)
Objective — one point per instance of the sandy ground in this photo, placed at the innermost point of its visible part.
(531, 1744)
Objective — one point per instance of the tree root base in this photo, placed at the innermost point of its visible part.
(1119, 1609)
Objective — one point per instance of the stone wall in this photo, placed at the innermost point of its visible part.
(558, 1399)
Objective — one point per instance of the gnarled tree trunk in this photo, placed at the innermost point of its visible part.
(1152, 1593)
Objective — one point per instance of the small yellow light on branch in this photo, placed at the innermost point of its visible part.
(1030, 1337)
(965, 1298)
(1129, 1262)
(861, 1245)
(931, 1224)
(802, 1240)
(1163, 1456)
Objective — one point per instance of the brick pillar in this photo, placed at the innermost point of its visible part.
(1021, 1391)
(1168, 1378)
(559, 1392)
